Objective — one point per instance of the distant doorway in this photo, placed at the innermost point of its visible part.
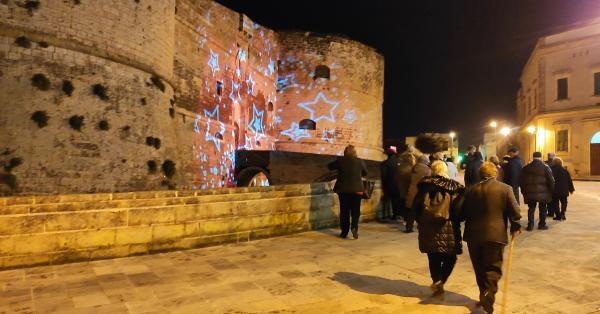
(595, 155)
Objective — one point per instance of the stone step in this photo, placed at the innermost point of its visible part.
(150, 202)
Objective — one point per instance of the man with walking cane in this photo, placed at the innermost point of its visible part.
(486, 209)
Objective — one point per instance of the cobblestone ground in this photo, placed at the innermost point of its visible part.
(554, 271)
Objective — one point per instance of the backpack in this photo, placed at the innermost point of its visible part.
(438, 205)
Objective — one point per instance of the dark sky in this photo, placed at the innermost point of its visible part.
(450, 65)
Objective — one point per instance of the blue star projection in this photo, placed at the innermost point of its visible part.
(234, 95)
(209, 136)
(242, 55)
(213, 62)
(271, 66)
(312, 106)
(295, 132)
(349, 115)
(256, 124)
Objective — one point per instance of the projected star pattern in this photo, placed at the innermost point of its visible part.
(238, 83)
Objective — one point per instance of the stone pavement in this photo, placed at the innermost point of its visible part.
(554, 271)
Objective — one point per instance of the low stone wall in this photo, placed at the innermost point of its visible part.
(56, 229)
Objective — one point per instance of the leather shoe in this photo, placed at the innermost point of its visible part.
(542, 227)
(343, 235)
(529, 227)
(355, 233)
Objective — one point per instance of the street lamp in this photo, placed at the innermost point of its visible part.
(452, 135)
(493, 124)
(531, 129)
(505, 131)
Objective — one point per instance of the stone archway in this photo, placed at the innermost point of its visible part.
(595, 155)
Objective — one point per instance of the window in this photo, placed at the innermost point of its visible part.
(535, 99)
(597, 83)
(562, 89)
(562, 141)
(308, 124)
(321, 71)
(528, 104)
(219, 88)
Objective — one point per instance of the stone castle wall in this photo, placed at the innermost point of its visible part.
(55, 229)
(181, 83)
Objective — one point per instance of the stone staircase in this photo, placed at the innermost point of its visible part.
(53, 229)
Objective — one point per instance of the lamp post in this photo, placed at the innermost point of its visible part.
(452, 135)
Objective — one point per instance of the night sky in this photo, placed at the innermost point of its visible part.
(450, 65)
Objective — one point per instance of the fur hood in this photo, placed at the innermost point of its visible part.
(442, 183)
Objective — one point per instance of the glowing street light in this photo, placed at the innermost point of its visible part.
(452, 135)
(493, 124)
(505, 131)
(531, 129)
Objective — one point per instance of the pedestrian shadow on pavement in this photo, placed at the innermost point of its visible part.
(402, 288)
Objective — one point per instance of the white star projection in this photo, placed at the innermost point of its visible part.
(312, 106)
(256, 124)
(242, 55)
(271, 66)
(213, 62)
(234, 95)
(350, 115)
(295, 132)
(250, 85)
(209, 136)
(328, 135)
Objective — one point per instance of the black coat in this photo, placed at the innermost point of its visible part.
(537, 182)
(512, 171)
(436, 236)
(389, 175)
(486, 209)
(472, 165)
(563, 184)
(350, 173)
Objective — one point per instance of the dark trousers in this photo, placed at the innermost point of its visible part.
(563, 205)
(516, 192)
(349, 206)
(441, 265)
(543, 209)
(397, 205)
(487, 264)
(409, 217)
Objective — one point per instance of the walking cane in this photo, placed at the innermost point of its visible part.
(507, 273)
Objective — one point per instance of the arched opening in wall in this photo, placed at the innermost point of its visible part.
(253, 176)
(307, 124)
(595, 155)
(270, 106)
(322, 71)
(219, 88)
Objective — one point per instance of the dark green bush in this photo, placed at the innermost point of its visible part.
(41, 118)
(76, 122)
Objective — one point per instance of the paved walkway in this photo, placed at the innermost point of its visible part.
(554, 271)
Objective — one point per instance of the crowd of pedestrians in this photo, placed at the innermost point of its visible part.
(425, 190)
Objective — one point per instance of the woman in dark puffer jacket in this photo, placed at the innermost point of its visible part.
(439, 226)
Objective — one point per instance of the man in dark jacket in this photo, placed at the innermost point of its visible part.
(349, 187)
(537, 185)
(563, 186)
(512, 171)
(389, 179)
(472, 169)
(486, 210)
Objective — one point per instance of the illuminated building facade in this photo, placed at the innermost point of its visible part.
(558, 104)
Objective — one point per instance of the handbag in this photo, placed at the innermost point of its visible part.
(368, 187)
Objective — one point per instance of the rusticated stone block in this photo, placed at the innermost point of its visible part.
(209, 240)
(95, 238)
(25, 260)
(7, 245)
(10, 225)
(134, 235)
(149, 216)
(70, 256)
(85, 220)
(213, 227)
(161, 233)
(35, 243)
(110, 252)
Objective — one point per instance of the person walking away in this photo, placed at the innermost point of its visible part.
(486, 209)
(468, 157)
(563, 186)
(407, 162)
(391, 197)
(550, 160)
(513, 171)
(496, 161)
(472, 169)
(439, 226)
(452, 169)
(537, 186)
(419, 171)
(349, 187)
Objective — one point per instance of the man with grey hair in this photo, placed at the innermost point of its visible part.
(486, 209)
